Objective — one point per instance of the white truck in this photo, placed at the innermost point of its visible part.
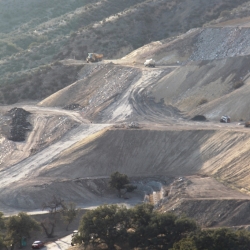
(149, 63)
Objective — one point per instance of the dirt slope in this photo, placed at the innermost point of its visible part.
(47, 128)
(109, 92)
(198, 44)
(211, 81)
(71, 153)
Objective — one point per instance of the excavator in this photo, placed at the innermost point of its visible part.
(93, 57)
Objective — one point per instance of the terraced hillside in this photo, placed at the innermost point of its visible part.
(90, 120)
(44, 32)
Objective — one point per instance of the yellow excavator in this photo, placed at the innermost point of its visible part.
(93, 57)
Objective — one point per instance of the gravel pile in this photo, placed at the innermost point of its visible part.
(19, 124)
(219, 43)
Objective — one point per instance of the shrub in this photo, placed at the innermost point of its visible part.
(238, 84)
(202, 101)
(225, 13)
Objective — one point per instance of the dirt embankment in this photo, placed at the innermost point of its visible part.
(199, 44)
(115, 93)
(167, 152)
(135, 152)
(46, 129)
(208, 88)
(211, 203)
(69, 156)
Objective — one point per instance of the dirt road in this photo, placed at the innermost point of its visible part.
(60, 244)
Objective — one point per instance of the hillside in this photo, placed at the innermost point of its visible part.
(59, 30)
(86, 121)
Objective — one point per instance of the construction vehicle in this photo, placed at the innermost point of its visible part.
(225, 119)
(247, 124)
(93, 57)
(149, 63)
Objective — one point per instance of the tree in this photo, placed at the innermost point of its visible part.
(143, 227)
(2, 227)
(140, 217)
(138, 227)
(69, 213)
(49, 223)
(121, 182)
(217, 239)
(154, 228)
(107, 222)
(19, 226)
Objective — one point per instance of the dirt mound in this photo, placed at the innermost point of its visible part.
(19, 124)
(208, 201)
(215, 212)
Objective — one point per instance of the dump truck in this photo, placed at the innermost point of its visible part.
(225, 119)
(93, 57)
(149, 63)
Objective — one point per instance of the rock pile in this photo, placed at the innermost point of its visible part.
(218, 43)
(19, 125)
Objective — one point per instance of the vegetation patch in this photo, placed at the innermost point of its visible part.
(238, 84)
(200, 118)
(202, 101)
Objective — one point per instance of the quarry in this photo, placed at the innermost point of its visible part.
(118, 115)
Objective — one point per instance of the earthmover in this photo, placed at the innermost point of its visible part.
(93, 57)
(149, 63)
(225, 119)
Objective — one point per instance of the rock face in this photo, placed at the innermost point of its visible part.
(218, 43)
(19, 125)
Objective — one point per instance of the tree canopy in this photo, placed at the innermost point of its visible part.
(16, 227)
(53, 206)
(69, 213)
(217, 239)
(138, 227)
(120, 182)
(143, 227)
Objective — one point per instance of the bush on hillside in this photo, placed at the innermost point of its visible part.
(238, 84)
(199, 118)
(202, 101)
